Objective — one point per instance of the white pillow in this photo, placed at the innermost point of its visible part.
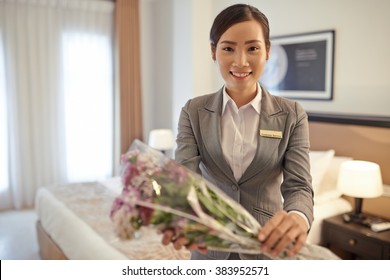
(319, 164)
(327, 190)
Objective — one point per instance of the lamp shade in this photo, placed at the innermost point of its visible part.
(361, 179)
(161, 139)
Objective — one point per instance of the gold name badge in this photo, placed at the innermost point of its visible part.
(271, 133)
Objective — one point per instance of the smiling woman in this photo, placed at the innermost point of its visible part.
(245, 140)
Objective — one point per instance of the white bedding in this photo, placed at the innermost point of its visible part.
(76, 216)
(76, 239)
(331, 207)
(327, 198)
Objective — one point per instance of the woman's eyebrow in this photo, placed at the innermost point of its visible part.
(253, 41)
(229, 42)
(235, 43)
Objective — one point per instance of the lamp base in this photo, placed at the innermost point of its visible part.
(357, 218)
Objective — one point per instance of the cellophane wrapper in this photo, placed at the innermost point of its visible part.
(160, 193)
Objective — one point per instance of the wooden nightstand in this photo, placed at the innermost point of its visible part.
(354, 241)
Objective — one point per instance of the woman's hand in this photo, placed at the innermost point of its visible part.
(180, 241)
(284, 231)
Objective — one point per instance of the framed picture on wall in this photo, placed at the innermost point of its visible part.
(301, 66)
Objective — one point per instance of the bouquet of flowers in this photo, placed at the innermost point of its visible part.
(161, 193)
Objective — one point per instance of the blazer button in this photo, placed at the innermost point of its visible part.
(235, 187)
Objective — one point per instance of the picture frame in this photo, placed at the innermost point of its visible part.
(301, 66)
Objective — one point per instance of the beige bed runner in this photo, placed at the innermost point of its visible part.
(91, 202)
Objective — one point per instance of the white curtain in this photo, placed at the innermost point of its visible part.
(56, 95)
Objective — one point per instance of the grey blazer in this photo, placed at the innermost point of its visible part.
(261, 188)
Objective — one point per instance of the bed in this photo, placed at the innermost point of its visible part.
(78, 226)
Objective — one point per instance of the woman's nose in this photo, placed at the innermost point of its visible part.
(240, 60)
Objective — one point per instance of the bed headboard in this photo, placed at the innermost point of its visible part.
(360, 137)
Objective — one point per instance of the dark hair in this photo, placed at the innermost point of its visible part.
(235, 14)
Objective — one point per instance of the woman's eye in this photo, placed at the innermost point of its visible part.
(252, 49)
(228, 49)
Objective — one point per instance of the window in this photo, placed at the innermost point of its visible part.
(4, 174)
(88, 101)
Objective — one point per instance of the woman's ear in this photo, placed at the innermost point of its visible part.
(268, 52)
(213, 56)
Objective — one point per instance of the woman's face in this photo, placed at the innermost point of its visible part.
(241, 55)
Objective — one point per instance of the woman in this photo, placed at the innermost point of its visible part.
(244, 140)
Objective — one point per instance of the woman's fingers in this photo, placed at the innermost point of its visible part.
(297, 245)
(167, 237)
(272, 231)
(283, 232)
(273, 223)
(179, 242)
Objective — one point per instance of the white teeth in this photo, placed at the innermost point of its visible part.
(240, 74)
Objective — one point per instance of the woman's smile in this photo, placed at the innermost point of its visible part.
(240, 75)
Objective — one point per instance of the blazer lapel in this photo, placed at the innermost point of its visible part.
(271, 118)
(210, 127)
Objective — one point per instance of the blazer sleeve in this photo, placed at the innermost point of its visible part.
(296, 188)
(187, 152)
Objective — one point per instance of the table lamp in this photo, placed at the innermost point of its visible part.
(161, 139)
(359, 179)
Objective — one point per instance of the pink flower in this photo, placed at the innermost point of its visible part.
(176, 172)
(158, 191)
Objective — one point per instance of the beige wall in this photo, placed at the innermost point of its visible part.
(377, 206)
(348, 140)
(176, 54)
(361, 79)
